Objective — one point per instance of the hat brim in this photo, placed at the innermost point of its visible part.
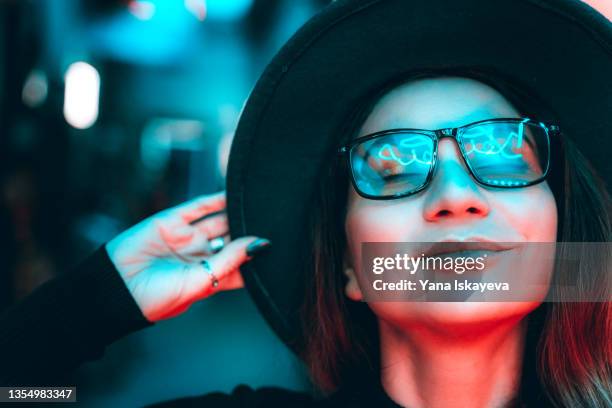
(560, 49)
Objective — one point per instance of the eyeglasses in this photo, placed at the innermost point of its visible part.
(501, 153)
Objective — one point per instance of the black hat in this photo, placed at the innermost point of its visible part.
(560, 50)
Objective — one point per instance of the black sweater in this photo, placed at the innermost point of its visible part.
(72, 318)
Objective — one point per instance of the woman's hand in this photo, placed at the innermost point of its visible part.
(160, 258)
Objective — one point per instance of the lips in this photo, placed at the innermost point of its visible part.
(469, 246)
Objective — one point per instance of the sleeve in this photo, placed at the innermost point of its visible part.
(243, 396)
(65, 322)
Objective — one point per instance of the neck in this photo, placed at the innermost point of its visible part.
(423, 367)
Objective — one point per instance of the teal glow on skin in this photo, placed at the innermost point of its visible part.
(448, 354)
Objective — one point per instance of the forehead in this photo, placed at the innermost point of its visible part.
(435, 103)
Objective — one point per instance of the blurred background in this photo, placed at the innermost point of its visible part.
(111, 110)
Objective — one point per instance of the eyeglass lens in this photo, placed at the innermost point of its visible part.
(498, 154)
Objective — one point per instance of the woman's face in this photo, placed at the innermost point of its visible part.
(453, 206)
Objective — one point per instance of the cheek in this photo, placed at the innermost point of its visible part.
(381, 221)
(530, 212)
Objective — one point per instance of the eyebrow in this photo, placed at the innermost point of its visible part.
(478, 122)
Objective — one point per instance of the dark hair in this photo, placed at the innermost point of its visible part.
(341, 347)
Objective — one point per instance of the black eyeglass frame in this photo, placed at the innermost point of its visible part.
(346, 150)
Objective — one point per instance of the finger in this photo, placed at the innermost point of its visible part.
(201, 206)
(217, 244)
(186, 243)
(237, 252)
(221, 265)
(226, 239)
(232, 281)
(206, 216)
(213, 227)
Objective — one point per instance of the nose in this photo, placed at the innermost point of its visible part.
(453, 193)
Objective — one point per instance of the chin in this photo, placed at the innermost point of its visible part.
(452, 318)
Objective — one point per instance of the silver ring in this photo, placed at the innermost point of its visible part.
(216, 244)
(209, 271)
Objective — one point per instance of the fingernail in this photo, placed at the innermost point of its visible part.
(258, 245)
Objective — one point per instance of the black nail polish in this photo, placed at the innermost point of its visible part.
(258, 245)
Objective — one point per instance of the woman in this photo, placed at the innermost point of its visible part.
(437, 340)
(288, 184)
